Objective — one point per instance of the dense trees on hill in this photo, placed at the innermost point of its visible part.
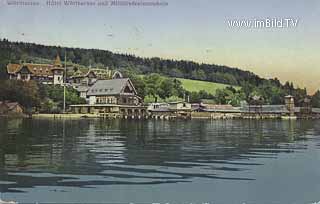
(26, 93)
(45, 98)
(19, 51)
(52, 98)
(154, 86)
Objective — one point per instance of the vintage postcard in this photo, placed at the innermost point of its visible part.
(159, 102)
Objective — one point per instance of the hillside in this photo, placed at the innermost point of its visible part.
(196, 85)
(271, 90)
(21, 51)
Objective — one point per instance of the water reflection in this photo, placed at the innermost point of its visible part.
(87, 153)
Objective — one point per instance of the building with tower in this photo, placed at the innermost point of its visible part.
(45, 73)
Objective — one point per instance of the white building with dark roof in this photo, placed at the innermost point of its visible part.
(113, 91)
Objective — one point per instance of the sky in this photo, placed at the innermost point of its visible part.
(195, 30)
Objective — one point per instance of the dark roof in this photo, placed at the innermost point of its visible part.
(234, 110)
(10, 105)
(82, 88)
(266, 108)
(109, 87)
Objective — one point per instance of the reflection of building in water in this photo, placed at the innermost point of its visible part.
(289, 103)
(103, 142)
(167, 141)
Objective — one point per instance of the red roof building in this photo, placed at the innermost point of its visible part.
(46, 73)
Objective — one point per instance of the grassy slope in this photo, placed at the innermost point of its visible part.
(196, 85)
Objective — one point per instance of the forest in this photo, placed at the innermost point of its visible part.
(155, 78)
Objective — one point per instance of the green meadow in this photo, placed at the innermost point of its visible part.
(196, 85)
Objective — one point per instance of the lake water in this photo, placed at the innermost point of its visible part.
(126, 161)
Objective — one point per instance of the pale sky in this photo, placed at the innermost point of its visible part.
(184, 29)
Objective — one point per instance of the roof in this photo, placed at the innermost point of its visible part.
(177, 102)
(35, 69)
(57, 61)
(99, 73)
(161, 109)
(266, 108)
(81, 88)
(13, 68)
(12, 105)
(110, 87)
(117, 75)
(236, 110)
(9, 105)
(218, 107)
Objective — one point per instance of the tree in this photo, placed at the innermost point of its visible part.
(198, 74)
(16, 51)
(166, 88)
(26, 93)
(176, 73)
(152, 85)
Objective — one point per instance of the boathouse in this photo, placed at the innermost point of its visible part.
(113, 91)
(178, 109)
(215, 111)
(113, 98)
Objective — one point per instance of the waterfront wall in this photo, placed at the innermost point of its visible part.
(141, 112)
(215, 115)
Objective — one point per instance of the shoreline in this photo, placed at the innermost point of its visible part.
(85, 116)
(66, 115)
